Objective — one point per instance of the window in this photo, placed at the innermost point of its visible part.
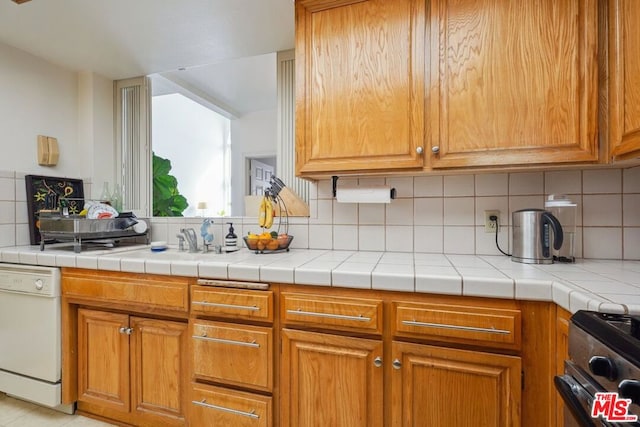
(197, 142)
(204, 170)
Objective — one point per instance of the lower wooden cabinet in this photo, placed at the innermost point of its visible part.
(351, 358)
(132, 369)
(438, 386)
(217, 406)
(438, 361)
(330, 380)
(562, 354)
(232, 357)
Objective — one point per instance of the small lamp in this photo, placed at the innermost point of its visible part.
(202, 207)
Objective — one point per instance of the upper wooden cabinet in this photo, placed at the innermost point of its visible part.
(624, 79)
(513, 83)
(472, 83)
(359, 85)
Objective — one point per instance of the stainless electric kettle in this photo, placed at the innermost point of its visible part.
(532, 230)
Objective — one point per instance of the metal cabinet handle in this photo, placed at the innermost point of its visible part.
(125, 330)
(204, 403)
(377, 362)
(456, 327)
(435, 149)
(359, 317)
(220, 305)
(396, 364)
(419, 150)
(204, 337)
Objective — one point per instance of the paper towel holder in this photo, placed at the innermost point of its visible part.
(334, 184)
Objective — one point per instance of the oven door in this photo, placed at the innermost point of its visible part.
(577, 389)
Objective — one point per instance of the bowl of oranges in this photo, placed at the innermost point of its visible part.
(268, 242)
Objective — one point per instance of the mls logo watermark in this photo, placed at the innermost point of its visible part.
(612, 408)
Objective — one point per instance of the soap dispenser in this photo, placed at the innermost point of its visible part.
(230, 240)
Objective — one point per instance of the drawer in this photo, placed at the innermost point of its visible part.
(152, 292)
(239, 355)
(232, 303)
(496, 327)
(340, 313)
(215, 406)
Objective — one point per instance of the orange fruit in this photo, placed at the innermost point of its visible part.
(273, 245)
(252, 243)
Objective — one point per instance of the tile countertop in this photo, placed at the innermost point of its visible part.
(600, 285)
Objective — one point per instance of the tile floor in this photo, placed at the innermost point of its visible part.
(18, 413)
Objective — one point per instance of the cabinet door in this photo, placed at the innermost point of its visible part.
(437, 386)
(513, 82)
(103, 359)
(159, 372)
(624, 78)
(359, 85)
(330, 380)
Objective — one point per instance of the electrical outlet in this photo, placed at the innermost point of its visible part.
(490, 226)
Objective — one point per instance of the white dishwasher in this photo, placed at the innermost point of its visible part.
(30, 334)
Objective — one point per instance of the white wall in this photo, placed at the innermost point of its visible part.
(38, 98)
(252, 135)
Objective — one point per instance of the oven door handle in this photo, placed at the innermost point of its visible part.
(566, 387)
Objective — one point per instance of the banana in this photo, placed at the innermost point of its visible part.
(262, 212)
(265, 213)
(269, 216)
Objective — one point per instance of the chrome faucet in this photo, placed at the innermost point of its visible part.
(190, 238)
(180, 242)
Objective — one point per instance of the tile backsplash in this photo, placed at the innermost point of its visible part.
(433, 214)
(445, 214)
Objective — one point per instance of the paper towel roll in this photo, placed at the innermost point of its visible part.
(381, 194)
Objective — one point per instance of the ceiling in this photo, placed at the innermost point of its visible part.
(222, 45)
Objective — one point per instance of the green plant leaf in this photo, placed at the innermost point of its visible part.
(167, 200)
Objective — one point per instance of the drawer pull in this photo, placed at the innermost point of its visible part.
(204, 403)
(224, 341)
(359, 317)
(220, 305)
(461, 328)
